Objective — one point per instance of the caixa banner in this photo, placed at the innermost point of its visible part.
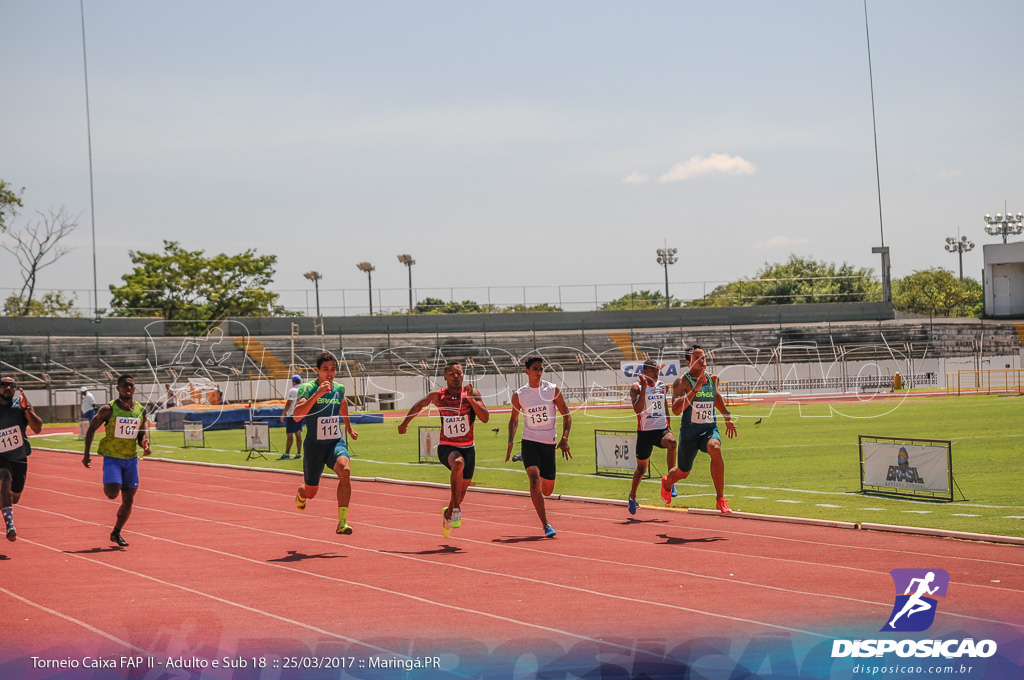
(670, 369)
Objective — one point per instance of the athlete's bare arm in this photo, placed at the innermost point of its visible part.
(513, 425)
(416, 408)
(98, 421)
(343, 410)
(730, 427)
(476, 402)
(563, 443)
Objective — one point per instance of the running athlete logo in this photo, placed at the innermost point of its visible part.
(914, 609)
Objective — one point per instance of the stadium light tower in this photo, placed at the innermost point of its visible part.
(315, 277)
(367, 267)
(1004, 225)
(667, 256)
(408, 262)
(959, 247)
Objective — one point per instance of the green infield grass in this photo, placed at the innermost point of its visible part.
(801, 461)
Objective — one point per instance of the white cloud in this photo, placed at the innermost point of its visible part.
(716, 163)
(777, 241)
(949, 174)
(635, 177)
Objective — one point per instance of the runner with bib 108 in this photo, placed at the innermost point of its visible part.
(695, 395)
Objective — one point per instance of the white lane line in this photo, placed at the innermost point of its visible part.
(526, 579)
(303, 572)
(70, 619)
(405, 497)
(571, 558)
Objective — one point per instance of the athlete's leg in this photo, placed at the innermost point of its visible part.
(669, 442)
(5, 504)
(298, 442)
(112, 490)
(457, 464)
(717, 466)
(536, 495)
(288, 443)
(343, 468)
(124, 511)
(638, 475)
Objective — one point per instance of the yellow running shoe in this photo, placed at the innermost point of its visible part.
(345, 528)
(446, 524)
(300, 502)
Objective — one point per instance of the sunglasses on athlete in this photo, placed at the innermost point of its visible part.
(8, 384)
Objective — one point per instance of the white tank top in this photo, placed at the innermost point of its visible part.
(538, 406)
(654, 416)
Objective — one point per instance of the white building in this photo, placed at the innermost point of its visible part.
(1004, 279)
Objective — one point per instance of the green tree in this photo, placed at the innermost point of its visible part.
(10, 201)
(438, 306)
(938, 292)
(53, 303)
(185, 285)
(797, 281)
(543, 307)
(645, 299)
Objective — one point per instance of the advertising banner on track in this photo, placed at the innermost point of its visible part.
(615, 451)
(902, 467)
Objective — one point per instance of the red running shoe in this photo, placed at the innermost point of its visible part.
(666, 494)
(723, 506)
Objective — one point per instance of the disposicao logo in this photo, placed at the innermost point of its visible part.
(914, 611)
(916, 605)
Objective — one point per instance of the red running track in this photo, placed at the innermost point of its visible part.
(221, 562)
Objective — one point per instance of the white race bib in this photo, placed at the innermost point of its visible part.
(328, 427)
(703, 413)
(455, 426)
(11, 439)
(538, 416)
(126, 428)
(655, 404)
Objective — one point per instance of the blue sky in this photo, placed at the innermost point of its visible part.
(513, 143)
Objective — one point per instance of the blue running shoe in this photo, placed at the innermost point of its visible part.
(549, 531)
(632, 506)
(674, 492)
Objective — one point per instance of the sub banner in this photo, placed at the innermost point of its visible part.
(615, 451)
(429, 437)
(906, 467)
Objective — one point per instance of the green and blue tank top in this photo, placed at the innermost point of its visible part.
(323, 421)
(699, 417)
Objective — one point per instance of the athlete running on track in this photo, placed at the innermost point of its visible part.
(125, 429)
(695, 395)
(538, 401)
(323, 405)
(459, 406)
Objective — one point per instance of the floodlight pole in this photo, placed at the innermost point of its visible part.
(367, 267)
(315, 277)
(1004, 225)
(408, 262)
(959, 246)
(667, 256)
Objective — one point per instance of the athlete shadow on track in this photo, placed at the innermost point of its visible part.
(672, 540)
(633, 520)
(4, 558)
(520, 539)
(95, 551)
(443, 550)
(296, 556)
